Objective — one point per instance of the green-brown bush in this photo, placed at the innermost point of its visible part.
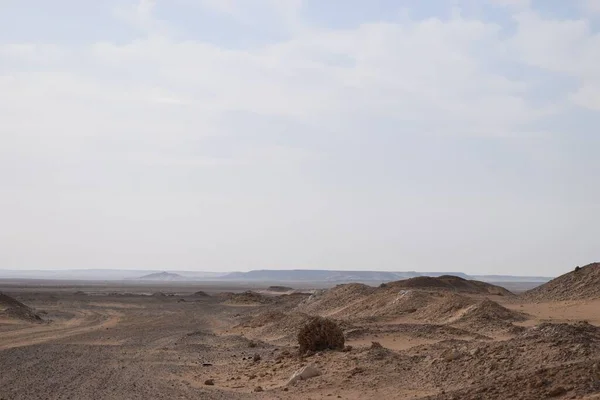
(320, 334)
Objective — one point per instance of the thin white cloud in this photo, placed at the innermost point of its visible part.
(591, 6)
(519, 4)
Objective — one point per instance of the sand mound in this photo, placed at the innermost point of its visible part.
(379, 303)
(276, 326)
(580, 284)
(361, 302)
(487, 316)
(446, 308)
(579, 333)
(288, 302)
(15, 309)
(248, 297)
(490, 310)
(335, 300)
(450, 282)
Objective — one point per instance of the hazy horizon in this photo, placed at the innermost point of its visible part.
(389, 135)
(228, 271)
(271, 275)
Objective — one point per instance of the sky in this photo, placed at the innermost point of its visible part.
(222, 135)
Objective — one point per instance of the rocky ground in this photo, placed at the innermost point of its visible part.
(415, 340)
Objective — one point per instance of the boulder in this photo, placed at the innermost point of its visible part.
(306, 372)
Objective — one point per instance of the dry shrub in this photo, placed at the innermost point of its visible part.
(320, 334)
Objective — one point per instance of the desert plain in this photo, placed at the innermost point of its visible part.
(419, 338)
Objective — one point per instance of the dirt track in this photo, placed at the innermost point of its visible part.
(104, 347)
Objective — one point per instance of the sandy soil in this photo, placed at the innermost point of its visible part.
(107, 343)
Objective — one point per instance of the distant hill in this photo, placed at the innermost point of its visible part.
(162, 276)
(451, 283)
(580, 284)
(307, 275)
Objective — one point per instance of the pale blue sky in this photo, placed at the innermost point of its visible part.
(234, 135)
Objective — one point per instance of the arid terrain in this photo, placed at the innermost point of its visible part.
(419, 338)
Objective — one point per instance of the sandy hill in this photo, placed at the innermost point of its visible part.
(355, 304)
(15, 309)
(580, 284)
(444, 300)
(339, 300)
(452, 283)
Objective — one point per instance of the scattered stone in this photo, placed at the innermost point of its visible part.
(451, 355)
(557, 391)
(209, 382)
(258, 389)
(256, 357)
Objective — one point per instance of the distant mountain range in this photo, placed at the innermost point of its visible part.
(271, 276)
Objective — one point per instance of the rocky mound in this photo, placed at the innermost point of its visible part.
(201, 293)
(580, 284)
(446, 308)
(451, 283)
(579, 333)
(532, 365)
(15, 309)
